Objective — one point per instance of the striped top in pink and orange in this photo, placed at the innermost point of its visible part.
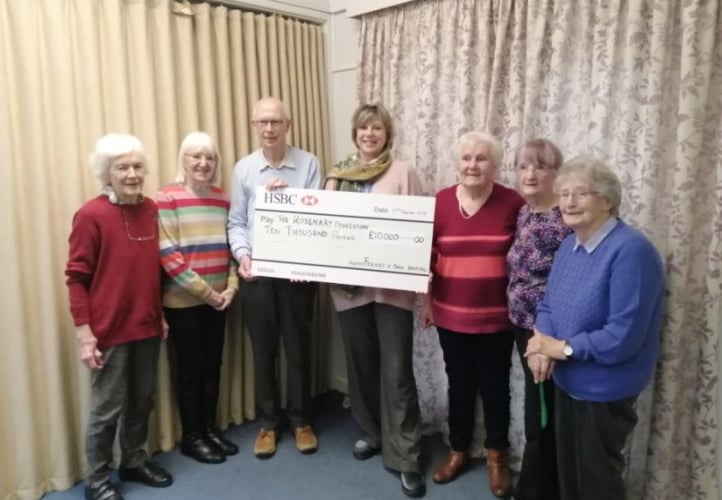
(193, 245)
(468, 290)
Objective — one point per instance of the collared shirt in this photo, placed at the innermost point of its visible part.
(597, 237)
(300, 169)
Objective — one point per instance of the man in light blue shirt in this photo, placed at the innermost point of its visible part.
(274, 308)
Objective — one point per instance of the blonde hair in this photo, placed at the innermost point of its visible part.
(200, 142)
(369, 112)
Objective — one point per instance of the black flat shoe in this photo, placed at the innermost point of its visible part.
(201, 449)
(363, 450)
(412, 484)
(148, 474)
(226, 446)
(102, 491)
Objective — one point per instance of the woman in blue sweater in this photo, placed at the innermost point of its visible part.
(597, 329)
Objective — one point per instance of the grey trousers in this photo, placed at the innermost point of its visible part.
(590, 438)
(378, 339)
(122, 392)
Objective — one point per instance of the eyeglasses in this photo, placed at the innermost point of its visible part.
(578, 194)
(200, 156)
(266, 123)
(537, 167)
(139, 238)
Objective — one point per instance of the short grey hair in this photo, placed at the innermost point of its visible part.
(271, 101)
(109, 148)
(198, 142)
(600, 176)
(473, 137)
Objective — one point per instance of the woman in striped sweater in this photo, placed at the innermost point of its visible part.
(473, 229)
(200, 284)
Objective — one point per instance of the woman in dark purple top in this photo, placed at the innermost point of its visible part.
(539, 232)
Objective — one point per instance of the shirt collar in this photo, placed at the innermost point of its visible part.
(593, 242)
(287, 161)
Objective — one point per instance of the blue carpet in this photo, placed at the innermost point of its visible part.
(330, 473)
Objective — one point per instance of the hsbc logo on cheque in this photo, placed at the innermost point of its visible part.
(309, 200)
(289, 199)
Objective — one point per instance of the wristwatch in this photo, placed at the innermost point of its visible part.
(568, 350)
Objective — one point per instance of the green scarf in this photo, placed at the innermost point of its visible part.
(352, 174)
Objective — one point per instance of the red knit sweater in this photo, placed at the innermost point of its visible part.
(113, 271)
(468, 289)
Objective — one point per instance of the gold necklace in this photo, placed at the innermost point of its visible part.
(463, 214)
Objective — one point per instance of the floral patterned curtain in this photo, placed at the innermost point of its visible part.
(636, 83)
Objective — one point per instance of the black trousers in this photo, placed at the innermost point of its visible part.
(276, 309)
(478, 363)
(538, 478)
(590, 438)
(197, 334)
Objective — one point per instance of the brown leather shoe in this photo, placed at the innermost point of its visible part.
(306, 441)
(265, 444)
(452, 465)
(497, 464)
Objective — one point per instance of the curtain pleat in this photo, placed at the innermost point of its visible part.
(71, 71)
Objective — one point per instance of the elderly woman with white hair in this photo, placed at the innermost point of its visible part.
(113, 278)
(598, 325)
(200, 284)
(474, 227)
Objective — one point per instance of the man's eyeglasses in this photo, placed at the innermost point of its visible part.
(577, 194)
(267, 123)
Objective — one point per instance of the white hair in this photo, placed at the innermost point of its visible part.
(473, 137)
(110, 147)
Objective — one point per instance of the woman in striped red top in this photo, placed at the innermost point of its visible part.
(473, 229)
(200, 285)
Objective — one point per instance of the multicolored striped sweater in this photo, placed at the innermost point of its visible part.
(193, 245)
(468, 288)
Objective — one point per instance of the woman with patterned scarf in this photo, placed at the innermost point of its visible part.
(377, 324)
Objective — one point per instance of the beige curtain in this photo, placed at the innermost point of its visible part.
(70, 71)
(637, 83)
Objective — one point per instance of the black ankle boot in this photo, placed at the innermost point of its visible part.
(216, 437)
(199, 448)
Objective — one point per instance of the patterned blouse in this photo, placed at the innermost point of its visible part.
(538, 236)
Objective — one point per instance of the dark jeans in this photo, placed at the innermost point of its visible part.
(379, 341)
(590, 438)
(276, 309)
(478, 363)
(122, 392)
(197, 334)
(538, 478)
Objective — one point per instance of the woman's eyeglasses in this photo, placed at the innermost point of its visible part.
(536, 167)
(200, 157)
(577, 194)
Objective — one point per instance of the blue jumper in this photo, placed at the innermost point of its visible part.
(608, 306)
